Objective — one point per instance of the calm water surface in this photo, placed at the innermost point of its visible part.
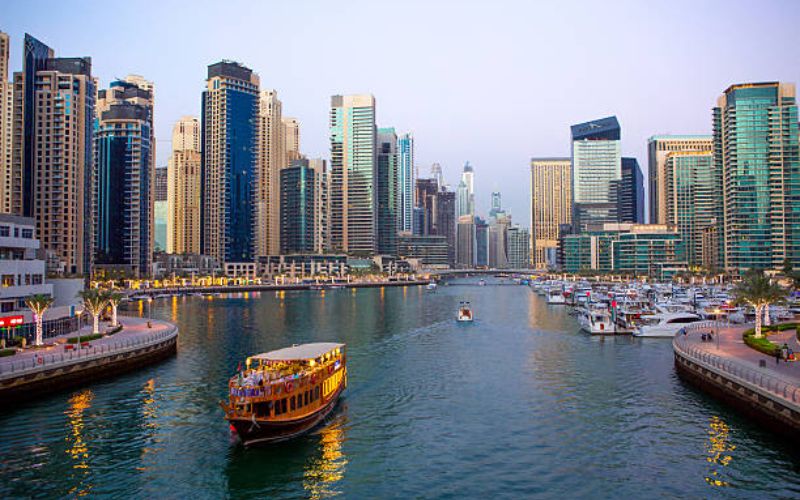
(517, 404)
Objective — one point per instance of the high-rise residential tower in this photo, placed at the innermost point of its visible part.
(298, 197)
(596, 172)
(694, 205)
(388, 191)
(445, 223)
(465, 193)
(465, 242)
(184, 188)
(353, 174)
(230, 162)
(322, 211)
(291, 132)
(551, 207)
(755, 132)
(160, 209)
(426, 192)
(53, 130)
(630, 197)
(497, 204)
(272, 158)
(406, 183)
(6, 120)
(436, 173)
(124, 178)
(658, 147)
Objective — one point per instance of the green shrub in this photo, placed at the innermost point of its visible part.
(116, 329)
(760, 345)
(7, 352)
(85, 338)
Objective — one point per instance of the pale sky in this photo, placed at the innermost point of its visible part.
(493, 82)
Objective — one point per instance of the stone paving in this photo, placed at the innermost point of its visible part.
(134, 329)
(731, 346)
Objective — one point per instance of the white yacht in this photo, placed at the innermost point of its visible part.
(432, 286)
(555, 295)
(664, 325)
(464, 313)
(597, 320)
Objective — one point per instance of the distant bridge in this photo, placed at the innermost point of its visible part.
(454, 273)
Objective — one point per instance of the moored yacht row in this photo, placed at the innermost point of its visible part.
(645, 309)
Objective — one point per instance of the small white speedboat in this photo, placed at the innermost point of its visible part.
(464, 313)
(431, 286)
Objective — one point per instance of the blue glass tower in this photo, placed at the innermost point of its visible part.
(229, 127)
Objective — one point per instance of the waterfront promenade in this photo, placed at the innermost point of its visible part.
(59, 365)
(750, 381)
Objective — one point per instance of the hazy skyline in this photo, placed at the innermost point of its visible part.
(495, 84)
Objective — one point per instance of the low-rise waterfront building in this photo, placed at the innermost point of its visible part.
(303, 265)
(184, 265)
(430, 251)
(22, 274)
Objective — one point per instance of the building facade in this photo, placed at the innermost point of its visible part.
(519, 255)
(6, 124)
(124, 179)
(551, 206)
(426, 192)
(465, 242)
(755, 132)
(291, 131)
(184, 188)
(52, 154)
(406, 183)
(481, 242)
(229, 132)
(596, 172)
(694, 206)
(658, 147)
(388, 188)
(322, 213)
(446, 221)
(272, 157)
(430, 251)
(630, 198)
(298, 208)
(465, 193)
(353, 173)
(22, 274)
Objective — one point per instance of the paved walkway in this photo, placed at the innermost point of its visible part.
(731, 346)
(134, 329)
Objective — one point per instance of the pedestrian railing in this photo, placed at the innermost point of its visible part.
(785, 389)
(11, 368)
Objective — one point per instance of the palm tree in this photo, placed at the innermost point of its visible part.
(38, 304)
(114, 298)
(757, 290)
(94, 301)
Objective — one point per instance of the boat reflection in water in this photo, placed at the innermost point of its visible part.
(78, 450)
(323, 472)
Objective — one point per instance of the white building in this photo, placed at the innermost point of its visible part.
(21, 273)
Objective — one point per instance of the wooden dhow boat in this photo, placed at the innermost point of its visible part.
(283, 394)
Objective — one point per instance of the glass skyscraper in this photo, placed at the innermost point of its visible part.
(389, 187)
(596, 172)
(630, 198)
(756, 151)
(298, 208)
(353, 172)
(694, 205)
(406, 182)
(124, 179)
(229, 140)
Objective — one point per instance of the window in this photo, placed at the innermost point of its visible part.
(291, 404)
(8, 280)
(27, 233)
(316, 393)
(5, 231)
(305, 398)
(7, 307)
(283, 405)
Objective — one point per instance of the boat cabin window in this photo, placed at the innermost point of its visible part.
(291, 404)
(305, 398)
(682, 320)
(316, 393)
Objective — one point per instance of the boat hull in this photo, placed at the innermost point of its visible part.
(262, 432)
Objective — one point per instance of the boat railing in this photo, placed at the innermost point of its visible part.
(740, 372)
(274, 387)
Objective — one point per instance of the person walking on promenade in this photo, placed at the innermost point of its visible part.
(785, 353)
(778, 354)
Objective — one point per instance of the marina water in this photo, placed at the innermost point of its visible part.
(518, 403)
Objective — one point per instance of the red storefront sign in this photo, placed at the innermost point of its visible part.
(10, 321)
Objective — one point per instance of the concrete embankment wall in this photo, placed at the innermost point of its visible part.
(66, 370)
(773, 402)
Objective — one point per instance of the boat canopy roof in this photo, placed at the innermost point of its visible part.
(299, 352)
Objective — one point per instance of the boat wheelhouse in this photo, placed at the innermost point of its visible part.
(464, 313)
(285, 393)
